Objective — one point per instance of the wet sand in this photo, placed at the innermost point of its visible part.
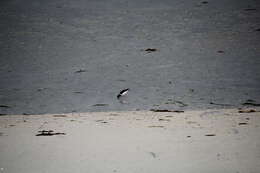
(64, 56)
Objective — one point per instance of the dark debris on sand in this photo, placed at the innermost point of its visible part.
(4, 106)
(80, 71)
(220, 104)
(150, 50)
(166, 110)
(210, 135)
(247, 110)
(48, 133)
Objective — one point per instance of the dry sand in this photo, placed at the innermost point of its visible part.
(132, 142)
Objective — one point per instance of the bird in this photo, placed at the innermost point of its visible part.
(123, 93)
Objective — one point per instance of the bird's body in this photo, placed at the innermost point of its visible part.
(123, 93)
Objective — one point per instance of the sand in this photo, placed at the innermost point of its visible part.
(132, 142)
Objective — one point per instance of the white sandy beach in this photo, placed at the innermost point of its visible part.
(131, 142)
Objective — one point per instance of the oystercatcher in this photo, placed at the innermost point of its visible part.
(123, 93)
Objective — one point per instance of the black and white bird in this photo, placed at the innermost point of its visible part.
(123, 93)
